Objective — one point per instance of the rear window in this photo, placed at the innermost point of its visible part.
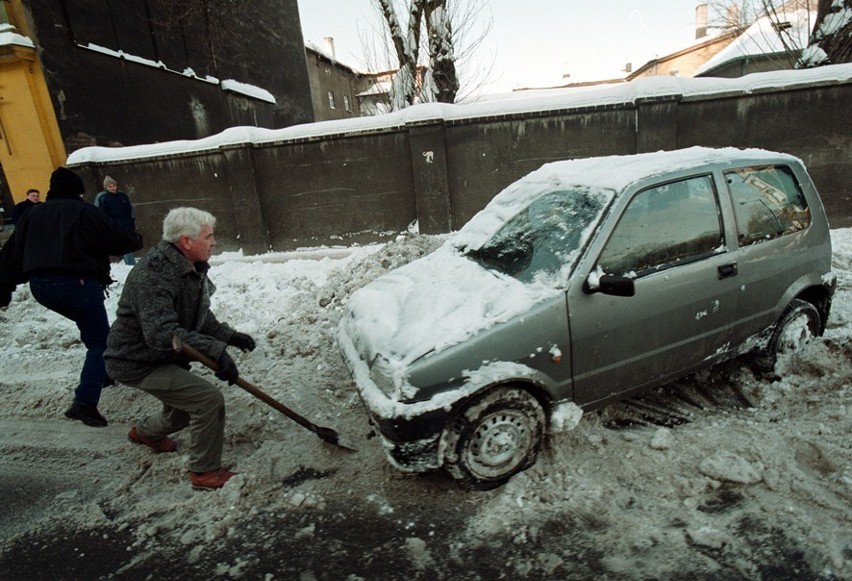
(768, 203)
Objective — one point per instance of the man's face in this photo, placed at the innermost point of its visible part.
(199, 249)
(111, 188)
(33, 196)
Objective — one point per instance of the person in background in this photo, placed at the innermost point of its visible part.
(62, 247)
(117, 206)
(21, 208)
(166, 294)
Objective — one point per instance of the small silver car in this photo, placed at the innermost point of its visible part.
(585, 282)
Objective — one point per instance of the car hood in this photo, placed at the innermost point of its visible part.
(433, 303)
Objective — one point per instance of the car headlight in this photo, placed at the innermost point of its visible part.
(383, 375)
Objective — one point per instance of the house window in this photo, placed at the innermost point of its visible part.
(346, 104)
(331, 100)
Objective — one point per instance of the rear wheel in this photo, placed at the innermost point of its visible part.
(493, 437)
(799, 323)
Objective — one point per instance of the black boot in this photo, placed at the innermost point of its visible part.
(86, 413)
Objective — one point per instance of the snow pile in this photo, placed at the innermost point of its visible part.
(729, 492)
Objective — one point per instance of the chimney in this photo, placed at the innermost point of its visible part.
(329, 46)
(701, 21)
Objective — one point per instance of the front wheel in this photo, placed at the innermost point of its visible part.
(493, 437)
(798, 324)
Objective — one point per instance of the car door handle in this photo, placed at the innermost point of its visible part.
(727, 270)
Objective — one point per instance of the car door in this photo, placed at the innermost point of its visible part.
(776, 244)
(670, 239)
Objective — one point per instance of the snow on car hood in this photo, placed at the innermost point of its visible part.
(432, 303)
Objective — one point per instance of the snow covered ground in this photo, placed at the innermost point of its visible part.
(717, 489)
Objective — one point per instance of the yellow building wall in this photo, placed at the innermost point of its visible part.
(30, 143)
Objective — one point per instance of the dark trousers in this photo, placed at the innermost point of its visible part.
(80, 299)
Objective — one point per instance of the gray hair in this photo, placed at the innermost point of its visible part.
(186, 222)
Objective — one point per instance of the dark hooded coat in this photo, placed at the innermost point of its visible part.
(63, 235)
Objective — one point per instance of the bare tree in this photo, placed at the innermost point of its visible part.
(439, 32)
(830, 32)
(831, 41)
(405, 39)
(424, 49)
(731, 15)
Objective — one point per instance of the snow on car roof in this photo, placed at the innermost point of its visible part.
(596, 176)
(616, 172)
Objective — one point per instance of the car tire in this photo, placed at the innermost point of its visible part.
(493, 437)
(798, 324)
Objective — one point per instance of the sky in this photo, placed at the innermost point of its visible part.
(532, 44)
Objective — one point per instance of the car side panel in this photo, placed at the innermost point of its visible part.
(678, 318)
(539, 340)
(771, 273)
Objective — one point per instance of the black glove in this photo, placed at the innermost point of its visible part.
(243, 342)
(227, 369)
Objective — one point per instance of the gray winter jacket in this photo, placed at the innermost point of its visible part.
(164, 295)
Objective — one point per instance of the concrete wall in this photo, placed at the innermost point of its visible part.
(360, 187)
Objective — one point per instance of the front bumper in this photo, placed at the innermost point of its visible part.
(410, 432)
(411, 444)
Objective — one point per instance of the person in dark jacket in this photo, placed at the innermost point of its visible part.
(117, 206)
(166, 294)
(21, 208)
(62, 247)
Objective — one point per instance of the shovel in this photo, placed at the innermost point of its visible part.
(326, 434)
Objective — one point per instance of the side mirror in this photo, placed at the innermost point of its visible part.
(609, 284)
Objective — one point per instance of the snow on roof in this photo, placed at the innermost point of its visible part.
(508, 104)
(226, 85)
(762, 38)
(9, 37)
(379, 88)
(249, 90)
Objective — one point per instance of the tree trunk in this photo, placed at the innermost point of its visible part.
(834, 40)
(441, 51)
(406, 43)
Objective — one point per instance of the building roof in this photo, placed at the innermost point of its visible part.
(764, 38)
(699, 44)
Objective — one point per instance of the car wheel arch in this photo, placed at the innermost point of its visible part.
(447, 441)
(764, 359)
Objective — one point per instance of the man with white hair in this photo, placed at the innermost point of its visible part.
(168, 293)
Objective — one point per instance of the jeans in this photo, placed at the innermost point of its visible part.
(129, 259)
(80, 299)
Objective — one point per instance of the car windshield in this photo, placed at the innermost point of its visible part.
(544, 238)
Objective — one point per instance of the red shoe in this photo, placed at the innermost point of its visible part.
(163, 445)
(210, 480)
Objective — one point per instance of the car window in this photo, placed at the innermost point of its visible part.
(663, 226)
(768, 203)
(544, 237)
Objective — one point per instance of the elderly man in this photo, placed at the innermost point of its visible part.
(168, 293)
